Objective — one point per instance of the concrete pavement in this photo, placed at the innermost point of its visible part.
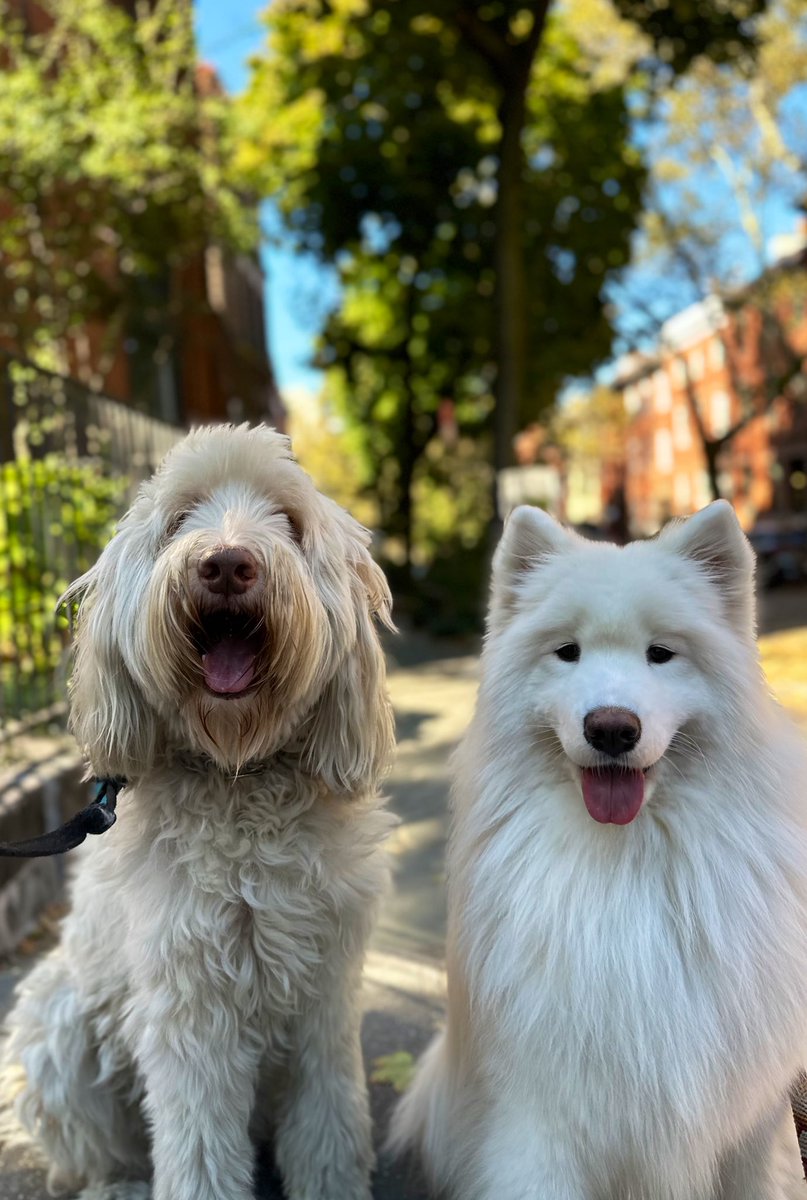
(433, 697)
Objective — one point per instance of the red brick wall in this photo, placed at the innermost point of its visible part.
(665, 465)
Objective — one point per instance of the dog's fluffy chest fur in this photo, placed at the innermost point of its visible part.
(243, 887)
(610, 968)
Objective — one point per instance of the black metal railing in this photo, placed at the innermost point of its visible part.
(70, 461)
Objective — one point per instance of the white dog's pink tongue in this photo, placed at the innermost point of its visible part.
(229, 666)
(613, 795)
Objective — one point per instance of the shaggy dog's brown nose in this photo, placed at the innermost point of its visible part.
(228, 572)
(612, 730)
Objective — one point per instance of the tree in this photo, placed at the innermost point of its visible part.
(728, 157)
(508, 38)
(116, 169)
(384, 156)
(400, 113)
(397, 394)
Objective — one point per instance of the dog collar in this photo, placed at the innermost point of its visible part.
(95, 818)
(203, 764)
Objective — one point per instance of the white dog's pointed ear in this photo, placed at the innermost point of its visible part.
(713, 539)
(530, 537)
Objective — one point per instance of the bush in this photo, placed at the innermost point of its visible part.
(55, 517)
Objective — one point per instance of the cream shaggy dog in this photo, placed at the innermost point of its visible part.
(627, 948)
(227, 665)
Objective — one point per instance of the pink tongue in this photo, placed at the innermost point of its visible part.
(229, 666)
(612, 795)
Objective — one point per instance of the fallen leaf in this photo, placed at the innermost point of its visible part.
(395, 1069)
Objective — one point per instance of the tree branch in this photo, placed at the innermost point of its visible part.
(486, 41)
(507, 60)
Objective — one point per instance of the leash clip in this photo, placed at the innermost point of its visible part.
(95, 818)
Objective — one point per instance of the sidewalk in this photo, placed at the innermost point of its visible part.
(403, 993)
(403, 990)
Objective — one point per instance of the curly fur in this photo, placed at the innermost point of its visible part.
(626, 1002)
(215, 941)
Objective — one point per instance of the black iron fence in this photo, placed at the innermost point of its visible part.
(70, 461)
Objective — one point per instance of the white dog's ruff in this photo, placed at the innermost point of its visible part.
(627, 946)
(207, 975)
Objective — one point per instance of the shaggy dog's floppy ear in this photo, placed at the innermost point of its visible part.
(108, 715)
(530, 537)
(350, 735)
(713, 539)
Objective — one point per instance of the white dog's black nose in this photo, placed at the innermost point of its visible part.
(612, 730)
(228, 572)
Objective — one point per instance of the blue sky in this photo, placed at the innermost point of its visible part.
(228, 33)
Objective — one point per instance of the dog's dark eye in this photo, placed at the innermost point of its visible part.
(659, 654)
(295, 526)
(174, 525)
(568, 653)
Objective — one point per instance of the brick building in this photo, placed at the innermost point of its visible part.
(709, 366)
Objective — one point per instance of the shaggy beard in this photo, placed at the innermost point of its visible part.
(293, 663)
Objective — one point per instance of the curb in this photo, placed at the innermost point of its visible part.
(33, 799)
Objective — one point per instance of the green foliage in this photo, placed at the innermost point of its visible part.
(451, 594)
(115, 165)
(453, 497)
(471, 172)
(388, 166)
(683, 30)
(399, 186)
(55, 516)
(328, 451)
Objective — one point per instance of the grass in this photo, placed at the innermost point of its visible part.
(784, 659)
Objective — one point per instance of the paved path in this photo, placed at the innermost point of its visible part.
(433, 699)
(403, 978)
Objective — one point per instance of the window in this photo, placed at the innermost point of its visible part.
(682, 430)
(679, 372)
(717, 352)
(682, 493)
(662, 392)
(725, 481)
(697, 364)
(720, 408)
(663, 448)
(703, 490)
(632, 401)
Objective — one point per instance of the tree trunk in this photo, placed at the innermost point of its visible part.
(511, 316)
(510, 65)
(409, 457)
(712, 447)
(711, 452)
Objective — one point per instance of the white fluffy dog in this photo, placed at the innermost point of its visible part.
(227, 665)
(627, 948)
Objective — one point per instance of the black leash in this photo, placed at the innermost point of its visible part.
(95, 818)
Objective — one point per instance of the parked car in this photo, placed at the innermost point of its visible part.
(781, 549)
